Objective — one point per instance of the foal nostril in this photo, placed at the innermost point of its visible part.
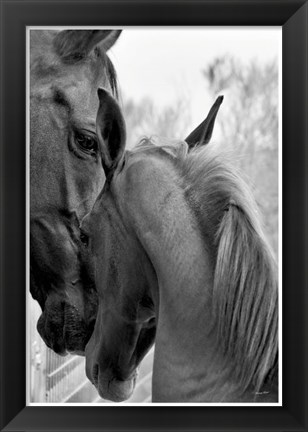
(92, 325)
(90, 329)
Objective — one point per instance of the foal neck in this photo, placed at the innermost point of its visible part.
(189, 365)
(172, 238)
(184, 364)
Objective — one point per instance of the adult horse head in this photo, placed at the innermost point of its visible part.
(66, 174)
(126, 270)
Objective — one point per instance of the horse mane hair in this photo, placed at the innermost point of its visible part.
(245, 289)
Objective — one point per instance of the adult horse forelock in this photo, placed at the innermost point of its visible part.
(179, 258)
(66, 69)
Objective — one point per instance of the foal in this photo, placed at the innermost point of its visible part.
(179, 257)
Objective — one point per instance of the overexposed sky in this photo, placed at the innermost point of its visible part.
(166, 64)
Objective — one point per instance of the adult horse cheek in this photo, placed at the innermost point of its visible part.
(58, 179)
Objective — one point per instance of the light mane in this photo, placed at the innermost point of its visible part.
(245, 289)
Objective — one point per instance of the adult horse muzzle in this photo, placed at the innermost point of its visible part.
(63, 327)
(61, 284)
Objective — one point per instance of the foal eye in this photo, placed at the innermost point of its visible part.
(85, 142)
(84, 238)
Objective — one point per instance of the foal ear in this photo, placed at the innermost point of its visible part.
(110, 130)
(74, 45)
(203, 133)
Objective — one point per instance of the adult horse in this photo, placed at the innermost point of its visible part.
(179, 257)
(66, 69)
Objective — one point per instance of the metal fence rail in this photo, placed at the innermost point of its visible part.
(65, 376)
(56, 379)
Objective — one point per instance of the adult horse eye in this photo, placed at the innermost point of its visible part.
(86, 142)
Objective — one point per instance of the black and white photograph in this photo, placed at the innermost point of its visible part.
(154, 216)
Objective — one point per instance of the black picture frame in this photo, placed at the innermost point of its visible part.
(292, 15)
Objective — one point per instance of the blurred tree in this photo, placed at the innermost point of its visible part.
(248, 121)
(143, 119)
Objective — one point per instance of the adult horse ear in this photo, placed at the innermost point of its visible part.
(203, 133)
(110, 39)
(111, 131)
(74, 45)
